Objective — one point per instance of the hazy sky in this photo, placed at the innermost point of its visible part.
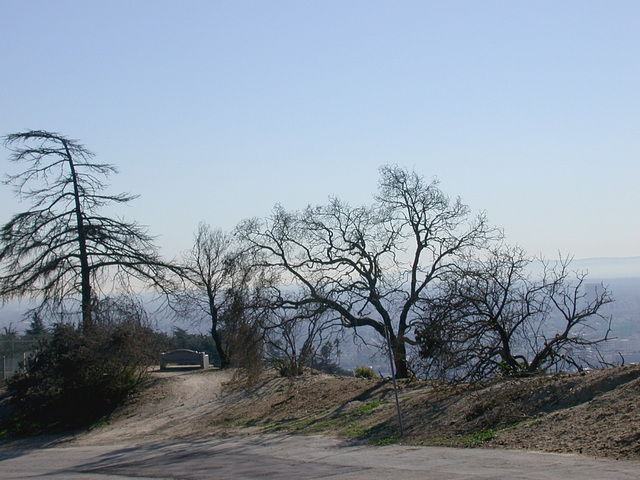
(217, 110)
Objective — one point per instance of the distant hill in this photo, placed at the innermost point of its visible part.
(610, 267)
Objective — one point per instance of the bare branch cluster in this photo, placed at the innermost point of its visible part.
(371, 265)
(62, 248)
(299, 337)
(490, 317)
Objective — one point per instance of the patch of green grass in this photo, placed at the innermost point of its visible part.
(381, 442)
(101, 423)
(312, 424)
(434, 441)
(342, 424)
(289, 425)
(345, 424)
(354, 430)
(227, 422)
(478, 438)
(367, 407)
(325, 424)
(299, 424)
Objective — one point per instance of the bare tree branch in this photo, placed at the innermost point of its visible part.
(61, 247)
(372, 265)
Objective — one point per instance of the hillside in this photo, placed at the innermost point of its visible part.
(595, 413)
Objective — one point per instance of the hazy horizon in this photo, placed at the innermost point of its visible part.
(616, 269)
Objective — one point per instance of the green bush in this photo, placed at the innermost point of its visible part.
(365, 372)
(80, 375)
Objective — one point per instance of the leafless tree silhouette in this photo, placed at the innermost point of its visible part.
(62, 247)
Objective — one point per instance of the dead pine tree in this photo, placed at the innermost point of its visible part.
(62, 249)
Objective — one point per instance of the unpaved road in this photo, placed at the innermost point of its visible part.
(286, 457)
(178, 406)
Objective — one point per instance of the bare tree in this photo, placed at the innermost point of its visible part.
(491, 316)
(581, 320)
(218, 283)
(62, 247)
(295, 337)
(372, 265)
(208, 272)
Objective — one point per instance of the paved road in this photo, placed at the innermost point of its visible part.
(297, 457)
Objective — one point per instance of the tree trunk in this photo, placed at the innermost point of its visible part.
(224, 358)
(400, 359)
(85, 272)
(213, 312)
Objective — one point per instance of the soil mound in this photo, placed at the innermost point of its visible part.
(594, 413)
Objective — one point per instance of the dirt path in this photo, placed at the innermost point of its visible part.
(177, 406)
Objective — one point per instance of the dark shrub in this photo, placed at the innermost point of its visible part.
(80, 375)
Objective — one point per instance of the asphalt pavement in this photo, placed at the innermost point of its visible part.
(289, 457)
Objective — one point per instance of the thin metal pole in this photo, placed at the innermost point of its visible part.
(395, 385)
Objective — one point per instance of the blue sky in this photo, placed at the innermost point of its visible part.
(216, 111)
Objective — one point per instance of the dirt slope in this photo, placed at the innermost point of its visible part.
(596, 413)
(171, 405)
